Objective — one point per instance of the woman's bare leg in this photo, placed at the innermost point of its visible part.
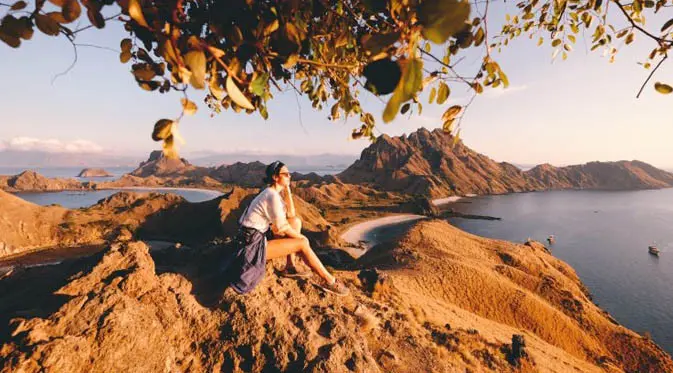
(295, 223)
(286, 246)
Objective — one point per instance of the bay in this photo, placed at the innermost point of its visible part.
(604, 236)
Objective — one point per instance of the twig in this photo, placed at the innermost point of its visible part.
(296, 97)
(321, 64)
(634, 24)
(224, 65)
(445, 65)
(72, 65)
(90, 26)
(650, 76)
(98, 47)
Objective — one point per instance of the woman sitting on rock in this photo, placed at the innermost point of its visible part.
(270, 209)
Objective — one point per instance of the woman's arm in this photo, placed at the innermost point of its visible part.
(289, 202)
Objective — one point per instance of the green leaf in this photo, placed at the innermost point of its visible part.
(393, 106)
(442, 18)
(663, 88)
(443, 93)
(196, 61)
(258, 85)
(433, 93)
(412, 78)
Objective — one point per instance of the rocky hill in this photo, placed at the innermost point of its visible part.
(602, 175)
(127, 215)
(93, 172)
(31, 181)
(442, 301)
(426, 162)
(159, 165)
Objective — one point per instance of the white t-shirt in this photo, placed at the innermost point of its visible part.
(266, 209)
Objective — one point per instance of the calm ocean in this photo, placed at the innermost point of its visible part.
(604, 236)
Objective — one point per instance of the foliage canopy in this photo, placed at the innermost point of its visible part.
(242, 52)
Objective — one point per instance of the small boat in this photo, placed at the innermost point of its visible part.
(653, 250)
(551, 239)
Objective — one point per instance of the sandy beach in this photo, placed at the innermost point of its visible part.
(213, 193)
(444, 201)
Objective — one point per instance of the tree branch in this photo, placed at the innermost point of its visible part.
(650, 76)
(72, 65)
(639, 28)
(90, 26)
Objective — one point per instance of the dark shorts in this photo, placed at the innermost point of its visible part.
(250, 260)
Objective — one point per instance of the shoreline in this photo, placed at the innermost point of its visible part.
(357, 233)
(213, 192)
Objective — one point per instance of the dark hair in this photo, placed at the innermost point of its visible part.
(272, 170)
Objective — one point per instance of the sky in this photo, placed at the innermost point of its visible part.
(559, 112)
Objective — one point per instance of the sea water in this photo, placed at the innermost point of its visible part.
(604, 236)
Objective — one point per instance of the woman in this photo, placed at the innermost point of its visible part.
(268, 209)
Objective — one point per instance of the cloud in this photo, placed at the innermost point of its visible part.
(500, 92)
(24, 143)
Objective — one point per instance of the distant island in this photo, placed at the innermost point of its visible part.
(94, 172)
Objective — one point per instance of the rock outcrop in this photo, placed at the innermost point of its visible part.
(94, 172)
(159, 165)
(31, 181)
(245, 174)
(441, 301)
(428, 163)
(602, 175)
(157, 216)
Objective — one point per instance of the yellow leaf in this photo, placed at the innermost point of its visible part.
(451, 112)
(188, 107)
(663, 88)
(215, 88)
(236, 95)
(196, 61)
(136, 12)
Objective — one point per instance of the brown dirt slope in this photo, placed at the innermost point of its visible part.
(457, 278)
(25, 226)
(444, 301)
